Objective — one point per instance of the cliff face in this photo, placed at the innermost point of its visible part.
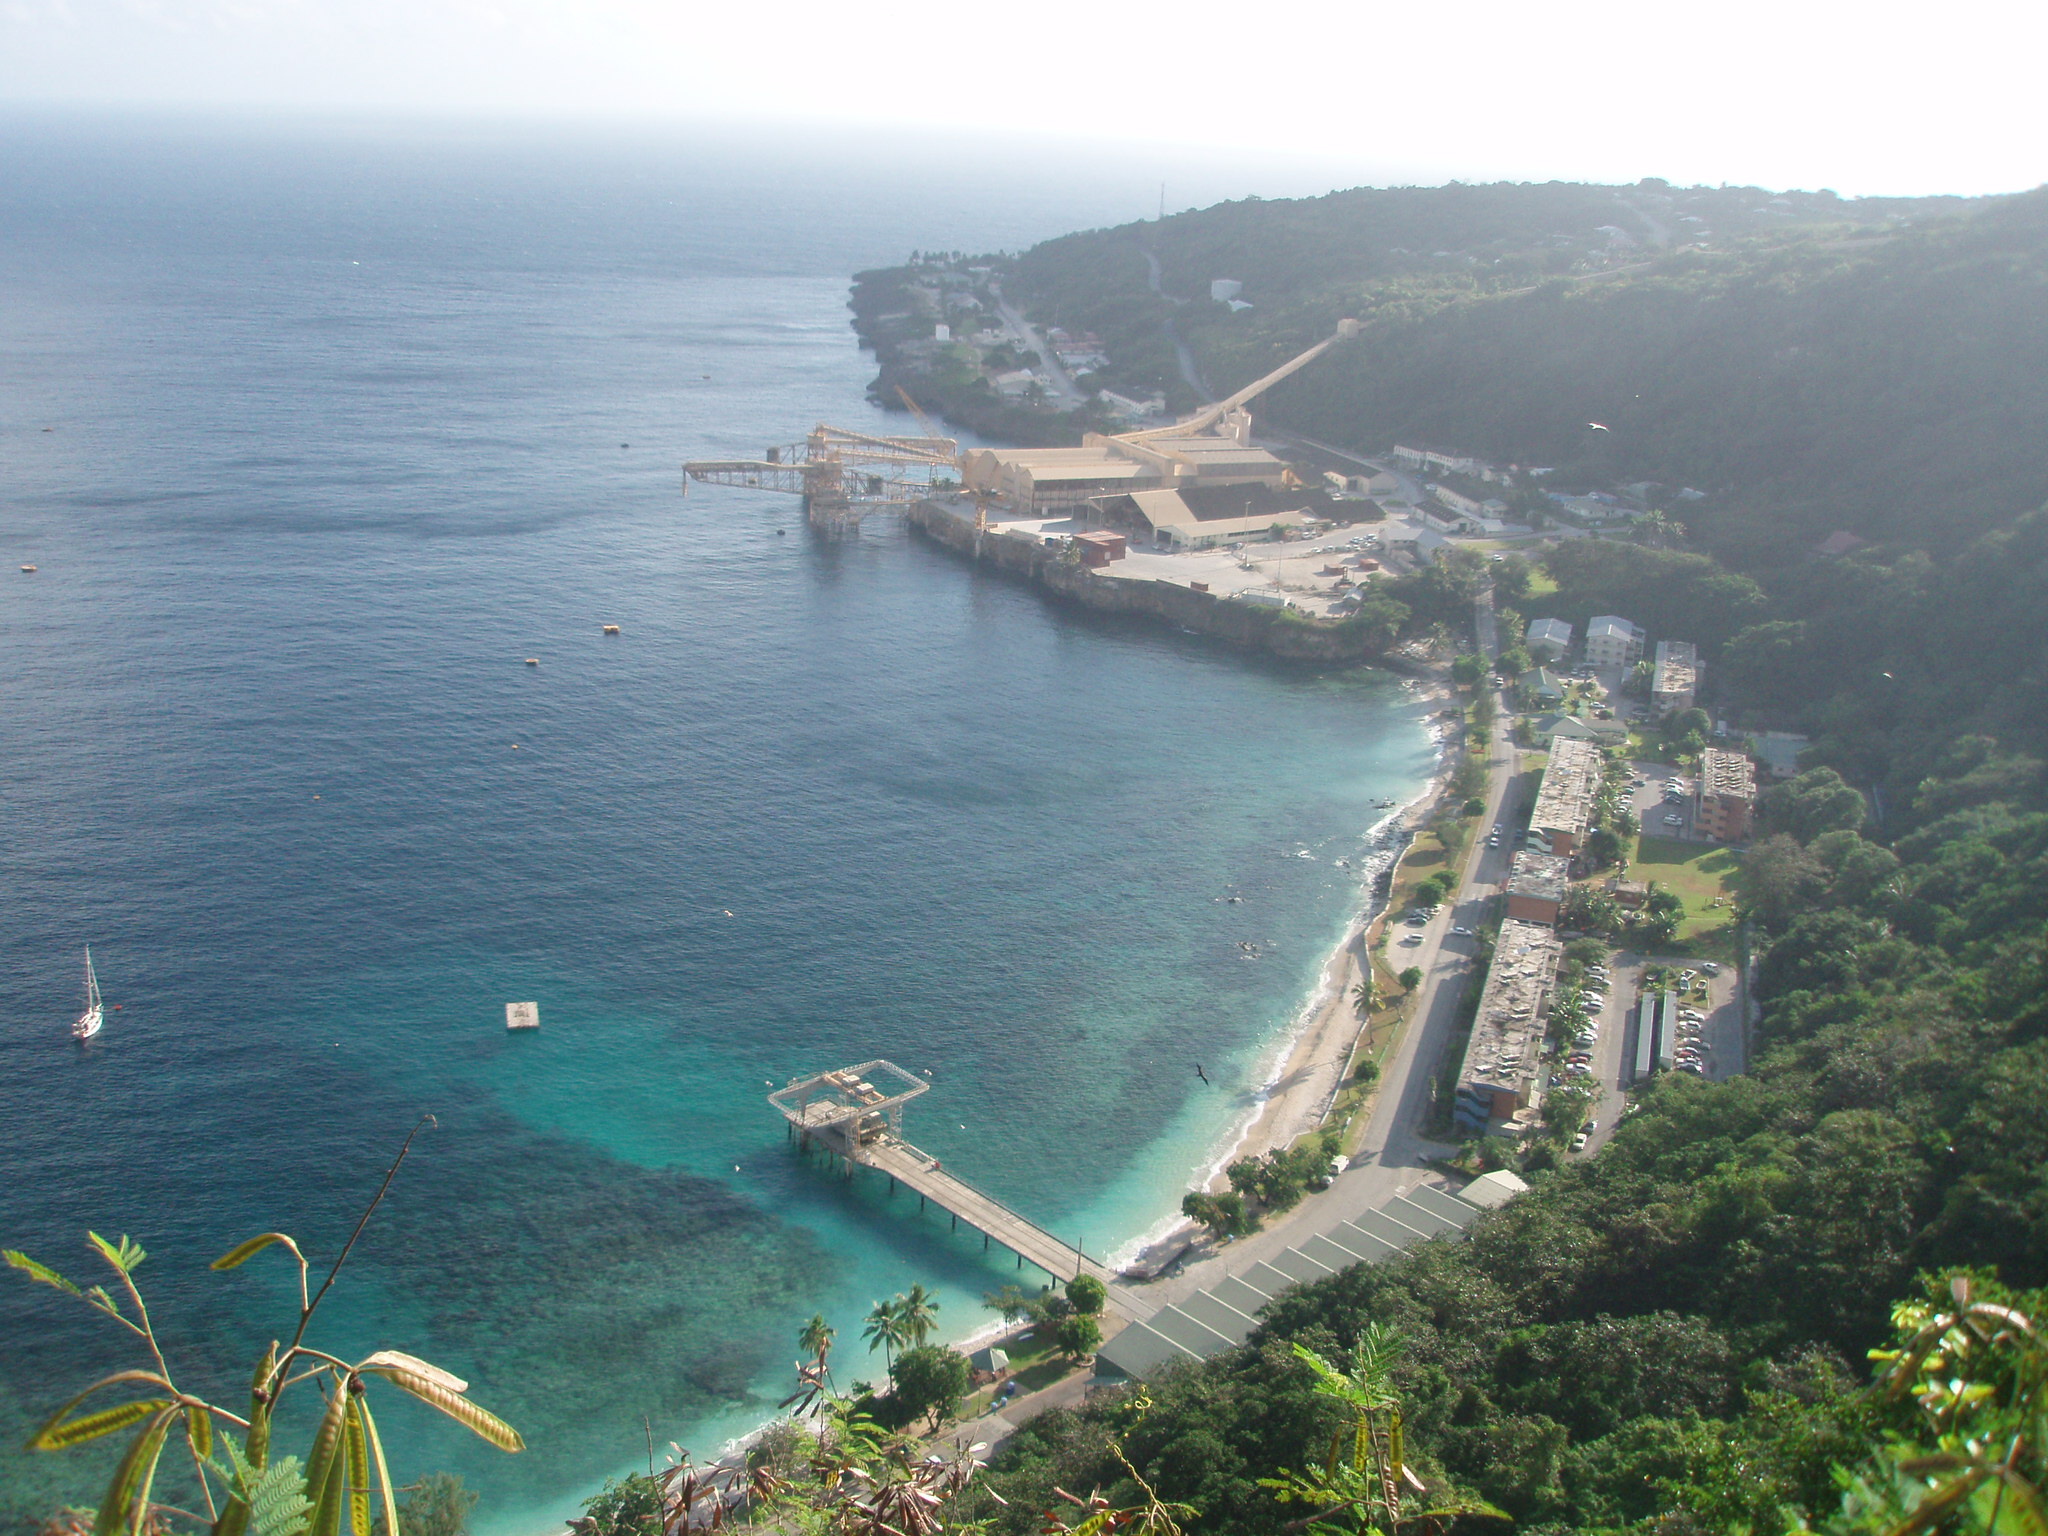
(1274, 631)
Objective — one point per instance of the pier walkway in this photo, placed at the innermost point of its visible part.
(1032, 1244)
(856, 1114)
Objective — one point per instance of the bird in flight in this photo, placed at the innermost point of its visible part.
(1202, 1075)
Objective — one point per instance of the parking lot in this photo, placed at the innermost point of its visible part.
(1717, 1033)
(1660, 814)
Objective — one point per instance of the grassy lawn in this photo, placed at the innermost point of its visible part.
(1540, 584)
(1425, 856)
(1034, 1363)
(1696, 873)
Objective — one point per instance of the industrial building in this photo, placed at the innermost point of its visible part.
(1674, 682)
(1497, 1085)
(1727, 796)
(1211, 448)
(1204, 517)
(1536, 886)
(1564, 805)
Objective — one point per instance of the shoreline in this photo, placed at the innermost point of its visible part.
(1308, 1059)
(1299, 1071)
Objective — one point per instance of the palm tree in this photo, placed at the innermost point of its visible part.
(918, 1313)
(816, 1338)
(1362, 997)
(885, 1330)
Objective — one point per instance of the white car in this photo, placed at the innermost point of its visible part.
(1674, 821)
(1579, 1142)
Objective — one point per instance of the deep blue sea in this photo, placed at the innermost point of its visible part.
(315, 434)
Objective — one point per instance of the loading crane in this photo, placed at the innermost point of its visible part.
(840, 474)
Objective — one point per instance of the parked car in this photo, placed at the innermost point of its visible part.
(1674, 821)
(1461, 931)
(1579, 1142)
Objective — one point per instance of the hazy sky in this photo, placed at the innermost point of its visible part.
(1867, 97)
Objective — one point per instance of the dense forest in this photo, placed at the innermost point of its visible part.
(1814, 363)
(1675, 1332)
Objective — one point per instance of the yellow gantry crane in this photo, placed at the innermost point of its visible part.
(841, 474)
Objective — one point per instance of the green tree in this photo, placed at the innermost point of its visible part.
(1816, 802)
(1224, 1214)
(816, 1337)
(885, 1330)
(1468, 670)
(1078, 1336)
(628, 1506)
(1010, 1301)
(1362, 995)
(1411, 978)
(919, 1313)
(929, 1379)
(1779, 878)
(1088, 1294)
(1511, 577)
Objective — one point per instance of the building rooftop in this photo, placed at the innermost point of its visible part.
(1506, 1049)
(1727, 773)
(1208, 502)
(1780, 750)
(1543, 875)
(1677, 667)
(1570, 783)
(1613, 624)
(1551, 631)
(1579, 728)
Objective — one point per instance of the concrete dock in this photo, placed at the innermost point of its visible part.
(848, 1115)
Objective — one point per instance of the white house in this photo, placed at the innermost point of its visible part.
(1549, 635)
(1612, 641)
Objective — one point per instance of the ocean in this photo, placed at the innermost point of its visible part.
(315, 433)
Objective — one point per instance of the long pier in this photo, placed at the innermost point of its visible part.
(849, 1116)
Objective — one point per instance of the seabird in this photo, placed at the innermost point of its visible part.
(1202, 1075)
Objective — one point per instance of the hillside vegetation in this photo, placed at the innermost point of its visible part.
(1674, 1334)
(1814, 363)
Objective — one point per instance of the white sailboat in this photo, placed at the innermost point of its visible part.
(95, 1014)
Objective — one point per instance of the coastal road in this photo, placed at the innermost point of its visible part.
(1062, 386)
(1394, 1157)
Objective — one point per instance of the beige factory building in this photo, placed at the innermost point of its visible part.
(1211, 448)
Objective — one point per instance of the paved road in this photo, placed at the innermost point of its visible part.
(1190, 370)
(1062, 387)
(1394, 1156)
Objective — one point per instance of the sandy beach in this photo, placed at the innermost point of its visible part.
(1310, 1068)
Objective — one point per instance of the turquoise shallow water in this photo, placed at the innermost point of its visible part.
(342, 429)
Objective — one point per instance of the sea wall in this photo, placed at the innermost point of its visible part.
(1277, 632)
